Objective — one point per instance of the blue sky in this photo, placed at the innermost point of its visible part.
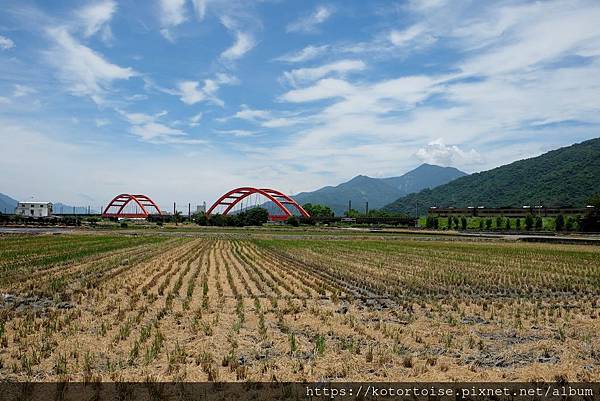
(185, 99)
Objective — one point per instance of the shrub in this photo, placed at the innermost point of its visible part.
(539, 223)
(529, 222)
(559, 222)
(292, 221)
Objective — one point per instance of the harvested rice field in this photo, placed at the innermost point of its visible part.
(258, 306)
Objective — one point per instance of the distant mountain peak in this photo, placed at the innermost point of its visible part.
(378, 191)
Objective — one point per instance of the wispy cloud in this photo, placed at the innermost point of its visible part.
(172, 14)
(309, 23)
(238, 133)
(95, 17)
(101, 122)
(243, 43)
(149, 128)
(84, 71)
(194, 121)
(341, 67)
(308, 53)
(324, 89)
(192, 92)
(6, 43)
(199, 8)
(23, 90)
(266, 118)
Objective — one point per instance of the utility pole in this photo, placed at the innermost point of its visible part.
(189, 211)
(349, 206)
(174, 208)
(367, 209)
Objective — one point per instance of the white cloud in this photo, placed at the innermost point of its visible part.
(244, 42)
(23, 90)
(416, 36)
(6, 43)
(267, 118)
(436, 152)
(5, 100)
(190, 92)
(310, 22)
(301, 75)
(141, 118)
(101, 122)
(238, 133)
(195, 120)
(200, 8)
(247, 113)
(95, 17)
(172, 14)
(150, 129)
(308, 53)
(324, 89)
(534, 35)
(426, 5)
(84, 71)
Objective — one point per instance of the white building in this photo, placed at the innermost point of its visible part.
(34, 209)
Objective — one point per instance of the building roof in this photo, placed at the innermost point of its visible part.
(36, 203)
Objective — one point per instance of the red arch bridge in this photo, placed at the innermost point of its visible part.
(279, 199)
(144, 207)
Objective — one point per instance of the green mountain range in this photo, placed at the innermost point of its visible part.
(378, 191)
(562, 177)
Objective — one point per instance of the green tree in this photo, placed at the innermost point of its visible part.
(351, 213)
(559, 222)
(570, 223)
(177, 216)
(507, 226)
(429, 223)
(481, 223)
(518, 224)
(539, 223)
(256, 216)
(529, 222)
(318, 210)
(591, 220)
(488, 224)
(292, 221)
(217, 220)
(463, 222)
(499, 221)
(200, 219)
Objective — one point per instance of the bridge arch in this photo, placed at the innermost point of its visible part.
(281, 200)
(116, 207)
